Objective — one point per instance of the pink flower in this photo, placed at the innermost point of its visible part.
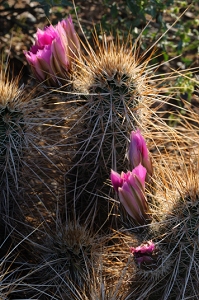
(138, 152)
(147, 255)
(147, 248)
(130, 187)
(54, 51)
(116, 180)
(73, 41)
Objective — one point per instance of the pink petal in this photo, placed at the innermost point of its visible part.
(34, 62)
(148, 247)
(135, 154)
(45, 37)
(45, 54)
(116, 180)
(73, 40)
(140, 173)
(130, 201)
(60, 51)
(34, 49)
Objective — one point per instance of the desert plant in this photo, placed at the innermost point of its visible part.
(116, 90)
(167, 258)
(13, 107)
(67, 256)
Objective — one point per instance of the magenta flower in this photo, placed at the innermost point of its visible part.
(116, 180)
(54, 51)
(73, 41)
(147, 255)
(130, 187)
(138, 152)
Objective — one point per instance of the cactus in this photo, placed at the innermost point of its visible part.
(166, 258)
(172, 270)
(116, 91)
(14, 268)
(68, 256)
(74, 248)
(12, 138)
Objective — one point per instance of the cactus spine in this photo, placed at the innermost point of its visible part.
(173, 271)
(12, 138)
(115, 93)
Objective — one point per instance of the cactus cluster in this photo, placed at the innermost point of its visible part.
(136, 240)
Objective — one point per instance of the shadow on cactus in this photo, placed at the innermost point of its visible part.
(14, 268)
(69, 255)
(13, 139)
(22, 117)
(170, 267)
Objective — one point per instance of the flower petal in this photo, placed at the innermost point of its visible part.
(116, 180)
(138, 152)
(130, 202)
(140, 173)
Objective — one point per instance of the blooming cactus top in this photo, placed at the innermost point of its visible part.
(54, 49)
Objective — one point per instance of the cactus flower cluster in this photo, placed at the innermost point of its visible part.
(54, 50)
(130, 186)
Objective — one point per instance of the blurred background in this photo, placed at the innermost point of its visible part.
(20, 19)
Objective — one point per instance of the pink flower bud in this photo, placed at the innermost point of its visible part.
(147, 256)
(144, 249)
(138, 152)
(131, 194)
(54, 51)
(130, 187)
(116, 180)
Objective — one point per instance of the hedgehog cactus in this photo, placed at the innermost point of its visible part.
(167, 257)
(170, 266)
(12, 137)
(116, 87)
(115, 93)
(181, 241)
(73, 252)
(11, 129)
